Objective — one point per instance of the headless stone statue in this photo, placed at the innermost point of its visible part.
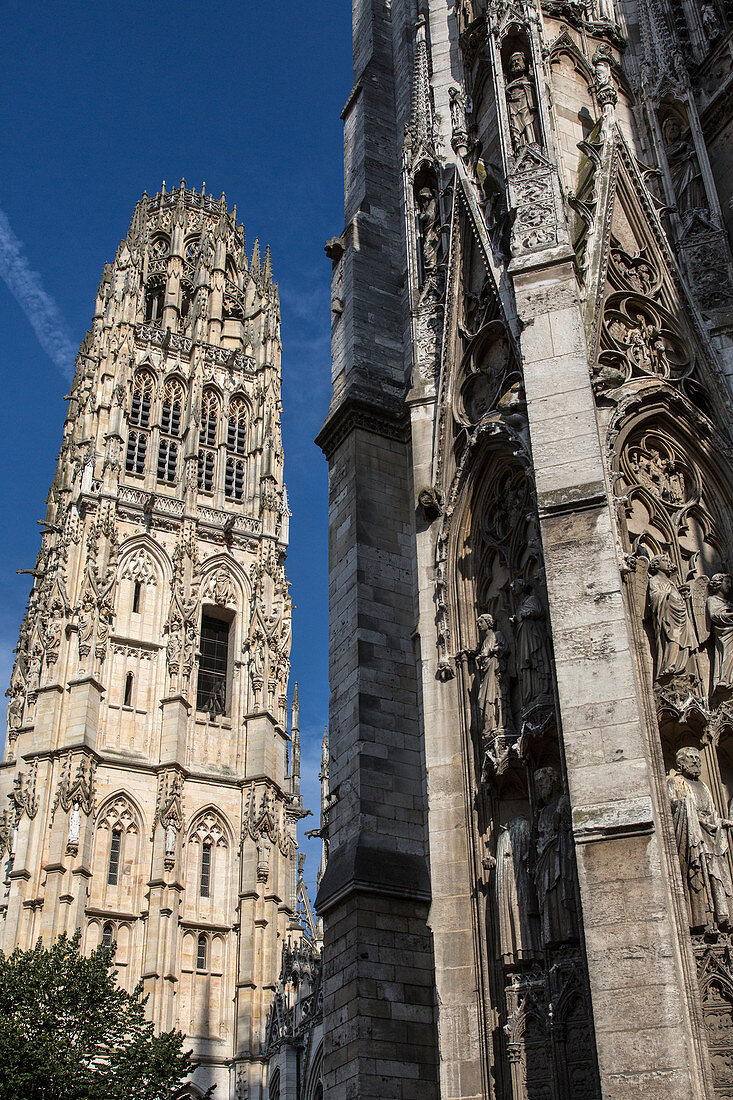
(554, 868)
(514, 895)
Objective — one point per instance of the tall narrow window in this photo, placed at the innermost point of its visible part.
(108, 934)
(170, 425)
(201, 953)
(142, 399)
(237, 426)
(212, 681)
(167, 460)
(114, 858)
(206, 471)
(207, 440)
(186, 300)
(128, 689)
(154, 300)
(170, 415)
(205, 870)
(136, 592)
(209, 419)
(137, 445)
(234, 478)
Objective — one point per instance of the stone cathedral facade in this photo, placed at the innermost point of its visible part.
(150, 788)
(530, 444)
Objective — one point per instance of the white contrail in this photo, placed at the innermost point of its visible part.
(40, 309)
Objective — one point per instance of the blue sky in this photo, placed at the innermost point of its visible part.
(100, 102)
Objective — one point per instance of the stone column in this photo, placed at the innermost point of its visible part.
(374, 896)
(639, 985)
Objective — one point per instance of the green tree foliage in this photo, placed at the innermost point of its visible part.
(69, 1032)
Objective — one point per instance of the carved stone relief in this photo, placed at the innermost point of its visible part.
(676, 524)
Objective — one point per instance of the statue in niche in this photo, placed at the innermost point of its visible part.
(459, 131)
(684, 167)
(674, 636)
(533, 658)
(264, 847)
(86, 624)
(428, 216)
(15, 714)
(720, 615)
(514, 900)
(710, 22)
(554, 870)
(72, 844)
(491, 661)
(521, 102)
(170, 841)
(702, 844)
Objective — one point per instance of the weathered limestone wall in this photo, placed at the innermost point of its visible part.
(631, 936)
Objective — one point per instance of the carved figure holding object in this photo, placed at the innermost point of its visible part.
(521, 102)
(702, 844)
(674, 636)
(491, 661)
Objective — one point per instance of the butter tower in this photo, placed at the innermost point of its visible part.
(149, 796)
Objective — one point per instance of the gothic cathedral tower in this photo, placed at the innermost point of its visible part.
(150, 802)
(529, 891)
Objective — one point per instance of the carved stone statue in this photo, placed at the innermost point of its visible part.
(264, 847)
(521, 102)
(427, 207)
(514, 894)
(684, 167)
(554, 869)
(491, 661)
(459, 131)
(170, 840)
(720, 614)
(72, 844)
(15, 714)
(702, 844)
(674, 635)
(710, 22)
(533, 659)
(86, 624)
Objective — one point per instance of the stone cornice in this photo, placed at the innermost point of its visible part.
(355, 412)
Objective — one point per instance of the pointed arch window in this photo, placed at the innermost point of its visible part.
(208, 865)
(142, 400)
(208, 430)
(140, 406)
(108, 934)
(209, 419)
(170, 416)
(154, 300)
(118, 832)
(202, 953)
(237, 426)
(236, 445)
